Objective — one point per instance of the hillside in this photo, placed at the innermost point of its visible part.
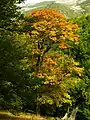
(63, 8)
(85, 6)
(68, 9)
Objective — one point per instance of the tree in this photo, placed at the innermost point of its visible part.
(9, 14)
(50, 34)
(82, 55)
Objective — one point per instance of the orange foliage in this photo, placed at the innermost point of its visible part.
(49, 28)
(53, 26)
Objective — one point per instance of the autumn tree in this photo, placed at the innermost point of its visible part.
(50, 34)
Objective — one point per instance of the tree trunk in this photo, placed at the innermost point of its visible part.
(72, 116)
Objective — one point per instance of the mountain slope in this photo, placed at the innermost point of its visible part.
(85, 6)
(63, 8)
(75, 8)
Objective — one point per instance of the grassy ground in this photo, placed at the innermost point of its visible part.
(5, 115)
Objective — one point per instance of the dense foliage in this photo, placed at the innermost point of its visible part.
(83, 56)
(44, 62)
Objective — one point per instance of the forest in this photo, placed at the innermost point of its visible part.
(44, 63)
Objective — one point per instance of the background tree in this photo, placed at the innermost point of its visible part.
(9, 14)
(82, 91)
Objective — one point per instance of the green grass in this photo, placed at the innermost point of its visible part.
(6, 115)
